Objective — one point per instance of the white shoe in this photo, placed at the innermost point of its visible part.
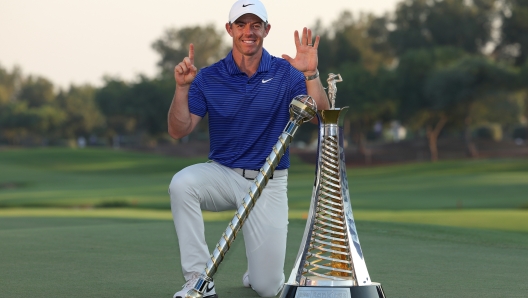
(208, 293)
(245, 280)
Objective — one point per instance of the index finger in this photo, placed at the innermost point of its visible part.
(191, 53)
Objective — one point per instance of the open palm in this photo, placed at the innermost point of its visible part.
(306, 57)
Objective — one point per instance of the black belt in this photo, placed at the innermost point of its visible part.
(252, 174)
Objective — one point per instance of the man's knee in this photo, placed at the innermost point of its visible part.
(183, 187)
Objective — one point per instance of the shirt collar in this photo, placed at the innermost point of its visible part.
(232, 68)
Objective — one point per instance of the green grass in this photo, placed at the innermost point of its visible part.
(63, 177)
(442, 185)
(448, 229)
(90, 177)
(106, 257)
(503, 219)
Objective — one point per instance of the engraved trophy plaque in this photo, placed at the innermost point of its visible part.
(330, 262)
(302, 109)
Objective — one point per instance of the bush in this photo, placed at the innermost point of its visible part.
(488, 132)
(520, 132)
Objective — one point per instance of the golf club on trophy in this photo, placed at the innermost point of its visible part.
(302, 109)
(330, 262)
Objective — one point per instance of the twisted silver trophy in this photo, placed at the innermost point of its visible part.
(330, 262)
(302, 109)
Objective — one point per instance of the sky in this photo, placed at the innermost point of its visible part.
(81, 41)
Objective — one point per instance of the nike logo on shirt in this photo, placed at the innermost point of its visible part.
(265, 81)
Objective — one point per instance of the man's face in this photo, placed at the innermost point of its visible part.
(248, 34)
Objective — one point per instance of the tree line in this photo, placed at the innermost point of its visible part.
(440, 67)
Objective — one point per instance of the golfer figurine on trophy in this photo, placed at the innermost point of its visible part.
(330, 262)
(332, 88)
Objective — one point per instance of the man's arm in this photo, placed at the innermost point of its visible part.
(181, 122)
(316, 91)
(306, 61)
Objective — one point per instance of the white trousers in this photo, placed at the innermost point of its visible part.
(213, 187)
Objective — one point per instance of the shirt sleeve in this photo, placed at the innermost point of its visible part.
(197, 100)
(298, 83)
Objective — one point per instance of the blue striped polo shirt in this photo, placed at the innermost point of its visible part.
(246, 114)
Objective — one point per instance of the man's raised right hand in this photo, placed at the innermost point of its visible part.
(185, 71)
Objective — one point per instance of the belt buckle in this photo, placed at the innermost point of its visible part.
(244, 174)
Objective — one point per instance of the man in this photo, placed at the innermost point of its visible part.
(246, 95)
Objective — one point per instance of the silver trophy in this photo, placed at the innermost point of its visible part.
(330, 262)
(302, 109)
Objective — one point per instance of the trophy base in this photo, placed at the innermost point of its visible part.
(371, 291)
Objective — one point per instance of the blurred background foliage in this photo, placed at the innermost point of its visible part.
(437, 68)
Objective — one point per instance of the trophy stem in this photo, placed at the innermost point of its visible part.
(302, 109)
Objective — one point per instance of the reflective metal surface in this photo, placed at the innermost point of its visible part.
(330, 262)
(314, 292)
(373, 291)
(331, 254)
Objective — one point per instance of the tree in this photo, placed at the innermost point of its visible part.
(113, 100)
(173, 46)
(369, 98)
(136, 107)
(412, 73)
(151, 100)
(36, 91)
(9, 84)
(522, 83)
(514, 31)
(18, 121)
(455, 91)
(30, 111)
(353, 41)
(357, 49)
(82, 114)
(433, 23)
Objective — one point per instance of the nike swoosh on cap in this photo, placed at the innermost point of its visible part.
(265, 81)
(245, 5)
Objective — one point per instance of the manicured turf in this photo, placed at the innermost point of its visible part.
(97, 177)
(449, 229)
(63, 177)
(500, 219)
(79, 257)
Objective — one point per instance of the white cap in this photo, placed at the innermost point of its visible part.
(241, 7)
